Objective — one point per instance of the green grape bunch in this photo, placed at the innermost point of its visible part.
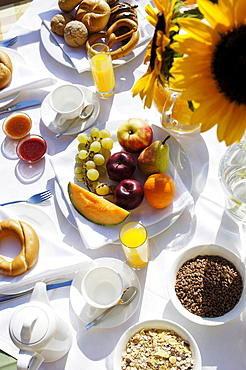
(93, 151)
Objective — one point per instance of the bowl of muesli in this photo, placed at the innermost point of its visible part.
(157, 344)
(207, 284)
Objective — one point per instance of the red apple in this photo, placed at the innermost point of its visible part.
(120, 165)
(128, 194)
(134, 135)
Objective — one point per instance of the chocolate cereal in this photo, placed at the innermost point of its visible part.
(208, 285)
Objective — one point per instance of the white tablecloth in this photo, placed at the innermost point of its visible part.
(222, 347)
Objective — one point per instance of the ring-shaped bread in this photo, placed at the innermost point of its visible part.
(111, 38)
(6, 69)
(29, 247)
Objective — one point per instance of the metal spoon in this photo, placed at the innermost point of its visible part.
(127, 296)
(85, 113)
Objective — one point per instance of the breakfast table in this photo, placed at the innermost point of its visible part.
(203, 221)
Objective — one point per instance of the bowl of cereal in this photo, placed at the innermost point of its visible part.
(207, 284)
(157, 344)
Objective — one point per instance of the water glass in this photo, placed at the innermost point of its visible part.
(102, 69)
(232, 176)
(135, 244)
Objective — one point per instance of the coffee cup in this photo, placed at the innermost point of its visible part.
(102, 287)
(67, 101)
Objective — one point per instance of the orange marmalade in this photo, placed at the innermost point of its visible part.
(17, 125)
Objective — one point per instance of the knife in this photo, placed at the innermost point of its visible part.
(48, 287)
(24, 104)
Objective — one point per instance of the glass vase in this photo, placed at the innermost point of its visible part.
(175, 111)
(232, 177)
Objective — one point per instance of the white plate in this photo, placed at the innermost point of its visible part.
(15, 58)
(120, 313)
(181, 163)
(35, 217)
(48, 114)
(55, 51)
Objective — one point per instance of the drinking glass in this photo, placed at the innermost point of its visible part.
(135, 244)
(232, 176)
(102, 69)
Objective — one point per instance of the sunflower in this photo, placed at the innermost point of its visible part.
(213, 70)
(160, 18)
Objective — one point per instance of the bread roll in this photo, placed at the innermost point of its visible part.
(94, 14)
(68, 5)
(75, 34)
(29, 241)
(6, 69)
(59, 21)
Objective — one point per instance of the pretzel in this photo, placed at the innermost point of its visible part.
(111, 36)
(29, 247)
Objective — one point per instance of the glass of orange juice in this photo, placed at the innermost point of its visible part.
(102, 69)
(135, 244)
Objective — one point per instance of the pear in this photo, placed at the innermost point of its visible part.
(154, 158)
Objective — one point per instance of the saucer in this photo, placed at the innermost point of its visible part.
(119, 314)
(48, 114)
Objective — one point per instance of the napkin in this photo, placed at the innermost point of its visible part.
(78, 56)
(56, 259)
(95, 236)
(25, 77)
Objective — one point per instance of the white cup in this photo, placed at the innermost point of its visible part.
(67, 101)
(102, 287)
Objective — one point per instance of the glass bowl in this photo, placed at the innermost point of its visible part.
(17, 125)
(31, 148)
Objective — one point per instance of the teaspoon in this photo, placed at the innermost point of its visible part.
(127, 296)
(85, 113)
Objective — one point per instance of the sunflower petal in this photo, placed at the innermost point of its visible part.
(199, 30)
(209, 113)
(217, 15)
(229, 129)
(184, 44)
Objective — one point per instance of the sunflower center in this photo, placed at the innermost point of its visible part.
(229, 65)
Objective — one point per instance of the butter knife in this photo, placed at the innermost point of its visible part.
(24, 104)
(29, 291)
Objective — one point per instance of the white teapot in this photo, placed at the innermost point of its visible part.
(40, 334)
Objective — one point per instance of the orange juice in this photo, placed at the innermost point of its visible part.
(103, 74)
(135, 244)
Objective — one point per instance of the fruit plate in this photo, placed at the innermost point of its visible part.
(156, 220)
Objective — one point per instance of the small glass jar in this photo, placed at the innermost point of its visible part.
(32, 148)
(17, 125)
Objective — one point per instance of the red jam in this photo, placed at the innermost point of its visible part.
(31, 149)
(17, 126)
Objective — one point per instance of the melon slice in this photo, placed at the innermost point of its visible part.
(95, 208)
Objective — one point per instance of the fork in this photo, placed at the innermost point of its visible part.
(9, 42)
(35, 199)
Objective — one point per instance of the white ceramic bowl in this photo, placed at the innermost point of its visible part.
(156, 324)
(193, 252)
